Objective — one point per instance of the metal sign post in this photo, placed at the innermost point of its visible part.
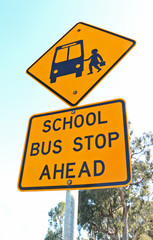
(71, 215)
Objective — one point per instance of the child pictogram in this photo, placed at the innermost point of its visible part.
(95, 60)
(69, 58)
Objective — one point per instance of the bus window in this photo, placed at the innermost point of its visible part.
(61, 55)
(75, 51)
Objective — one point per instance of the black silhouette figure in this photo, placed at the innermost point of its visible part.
(95, 57)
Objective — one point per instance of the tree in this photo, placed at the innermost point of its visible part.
(55, 232)
(123, 213)
(51, 235)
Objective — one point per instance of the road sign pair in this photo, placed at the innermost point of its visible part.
(81, 147)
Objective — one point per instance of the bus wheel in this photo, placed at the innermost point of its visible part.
(53, 79)
(79, 74)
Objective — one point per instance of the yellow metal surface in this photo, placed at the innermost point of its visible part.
(78, 148)
(71, 63)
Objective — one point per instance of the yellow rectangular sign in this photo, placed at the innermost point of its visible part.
(79, 148)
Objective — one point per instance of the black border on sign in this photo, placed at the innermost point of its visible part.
(59, 95)
(81, 186)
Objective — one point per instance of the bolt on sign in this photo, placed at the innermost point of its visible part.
(78, 61)
(80, 148)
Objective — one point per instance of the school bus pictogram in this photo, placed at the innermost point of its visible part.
(68, 59)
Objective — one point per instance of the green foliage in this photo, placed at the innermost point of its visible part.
(100, 211)
(145, 237)
(51, 235)
(55, 232)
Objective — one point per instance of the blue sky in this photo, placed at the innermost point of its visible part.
(28, 29)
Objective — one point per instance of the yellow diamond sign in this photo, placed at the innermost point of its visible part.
(79, 148)
(75, 64)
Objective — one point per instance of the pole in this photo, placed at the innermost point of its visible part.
(71, 215)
